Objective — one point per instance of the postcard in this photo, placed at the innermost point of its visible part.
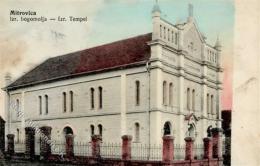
(127, 82)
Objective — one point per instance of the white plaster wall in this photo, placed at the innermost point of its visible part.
(169, 78)
(142, 119)
(131, 79)
(193, 85)
(83, 116)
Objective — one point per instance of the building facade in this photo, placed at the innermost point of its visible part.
(162, 83)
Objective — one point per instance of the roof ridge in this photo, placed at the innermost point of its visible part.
(102, 45)
(118, 41)
(121, 53)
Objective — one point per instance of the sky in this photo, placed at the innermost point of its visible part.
(24, 45)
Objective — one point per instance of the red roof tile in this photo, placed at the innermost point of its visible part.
(122, 53)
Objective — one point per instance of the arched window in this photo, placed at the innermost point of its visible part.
(176, 38)
(137, 132)
(211, 104)
(67, 130)
(71, 101)
(92, 102)
(167, 128)
(188, 98)
(137, 92)
(169, 35)
(172, 37)
(160, 30)
(18, 135)
(208, 104)
(64, 101)
(40, 105)
(164, 33)
(100, 130)
(164, 92)
(92, 130)
(100, 91)
(17, 107)
(46, 104)
(170, 95)
(193, 99)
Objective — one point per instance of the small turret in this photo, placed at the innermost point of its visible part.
(156, 17)
(190, 10)
(156, 10)
(218, 45)
(218, 48)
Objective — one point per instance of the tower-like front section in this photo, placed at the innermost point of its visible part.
(185, 80)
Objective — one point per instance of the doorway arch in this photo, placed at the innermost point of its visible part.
(167, 128)
(69, 140)
(67, 130)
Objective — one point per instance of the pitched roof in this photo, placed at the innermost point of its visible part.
(119, 54)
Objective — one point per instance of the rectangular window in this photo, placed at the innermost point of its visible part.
(64, 101)
(164, 93)
(208, 103)
(137, 98)
(46, 104)
(170, 95)
(212, 105)
(137, 132)
(17, 107)
(164, 33)
(176, 38)
(169, 35)
(188, 98)
(92, 102)
(160, 30)
(71, 101)
(172, 37)
(100, 97)
(193, 100)
(40, 105)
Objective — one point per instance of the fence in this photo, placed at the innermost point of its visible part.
(82, 148)
(179, 152)
(114, 150)
(110, 150)
(146, 152)
(198, 151)
(58, 147)
(19, 146)
(124, 151)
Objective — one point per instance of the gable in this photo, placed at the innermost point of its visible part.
(192, 41)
